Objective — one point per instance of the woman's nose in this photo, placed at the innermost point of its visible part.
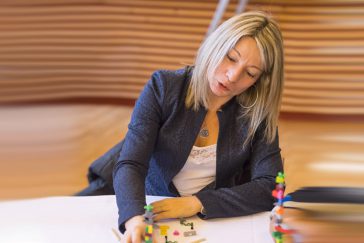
(233, 74)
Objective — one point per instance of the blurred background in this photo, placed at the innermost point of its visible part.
(70, 71)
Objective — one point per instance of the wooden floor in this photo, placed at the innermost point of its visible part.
(45, 150)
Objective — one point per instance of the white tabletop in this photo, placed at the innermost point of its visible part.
(91, 219)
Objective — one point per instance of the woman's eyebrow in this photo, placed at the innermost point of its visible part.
(236, 51)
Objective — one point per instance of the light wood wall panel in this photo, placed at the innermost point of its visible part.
(108, 49)
(324, 55)
(96, 49)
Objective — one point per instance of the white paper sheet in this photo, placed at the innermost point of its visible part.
(90, 219)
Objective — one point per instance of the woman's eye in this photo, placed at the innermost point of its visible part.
(230, 58)
(251, 75)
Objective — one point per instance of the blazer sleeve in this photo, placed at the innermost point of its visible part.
(132, 166)
(253, 196)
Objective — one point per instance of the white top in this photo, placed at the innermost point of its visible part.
(198, 172)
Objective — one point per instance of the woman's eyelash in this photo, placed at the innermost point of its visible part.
(230, 58)
(251, 75)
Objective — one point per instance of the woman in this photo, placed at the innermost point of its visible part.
(207, 135)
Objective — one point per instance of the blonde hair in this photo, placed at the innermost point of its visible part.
(266, 93)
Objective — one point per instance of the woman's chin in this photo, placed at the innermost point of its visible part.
(220, 93)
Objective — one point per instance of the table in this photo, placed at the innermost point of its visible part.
(91, 219)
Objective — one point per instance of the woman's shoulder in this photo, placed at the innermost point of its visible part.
(172, 76)
(171, 82)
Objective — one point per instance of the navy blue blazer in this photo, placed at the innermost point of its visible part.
(161, 134)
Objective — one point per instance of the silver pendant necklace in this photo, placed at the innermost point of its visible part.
(204, 132)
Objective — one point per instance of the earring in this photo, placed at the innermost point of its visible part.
(256, 99)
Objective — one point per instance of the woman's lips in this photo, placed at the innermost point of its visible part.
(223, 86)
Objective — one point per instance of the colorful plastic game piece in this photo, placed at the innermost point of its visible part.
(182, 221)
(149, 229)
(147, 239)
(198, 241)
(163, 229)
(176, 233)
(278, 210)
(148, 208)
(189, 233)
(148, 218)
(280, 178)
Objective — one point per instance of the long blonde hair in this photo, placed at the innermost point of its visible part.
(266, 93)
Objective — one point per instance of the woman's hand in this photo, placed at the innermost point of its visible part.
(135, 230)
(167, 208)
(176, 207)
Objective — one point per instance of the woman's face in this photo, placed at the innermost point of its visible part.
(239, 70)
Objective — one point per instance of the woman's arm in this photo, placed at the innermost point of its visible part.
(178, 207)
(131, 169)
(253, 196)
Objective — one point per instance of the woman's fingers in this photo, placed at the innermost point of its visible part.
(160, 206)
(158, 209)
(176, 207)
(137, 236)
(163, 215)
(127, 237)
